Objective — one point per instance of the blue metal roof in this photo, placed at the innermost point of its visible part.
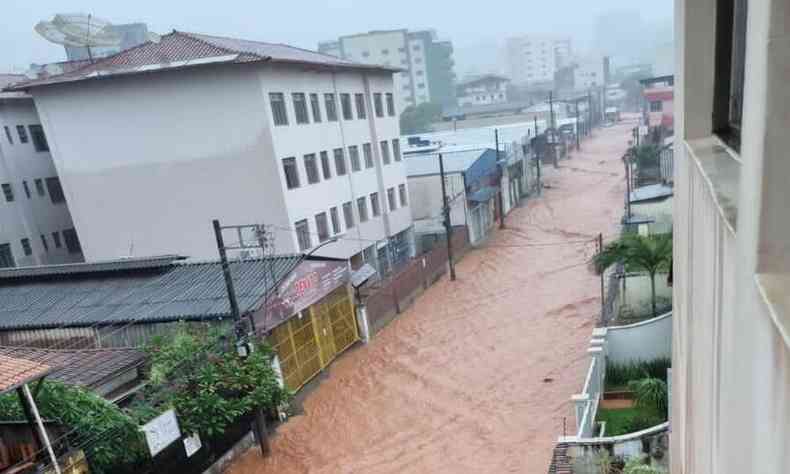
(483, 194)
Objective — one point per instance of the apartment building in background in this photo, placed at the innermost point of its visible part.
(730, 398)
(241, 131)
(535, 58)
(426, 63)
(35, 224)
(483, 90)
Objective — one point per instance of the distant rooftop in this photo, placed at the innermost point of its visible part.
(483, 78)
(179, 50)
(427, 164)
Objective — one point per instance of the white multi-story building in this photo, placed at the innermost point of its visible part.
(483, 90)
(35, 225)
(730, 401)
(535, 58)
(155, 142)
(590, 73)
(427, 66)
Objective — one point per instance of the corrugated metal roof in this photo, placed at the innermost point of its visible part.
(179, 49)
(424, 164)
(650, 192)
(182, 291)
(87, 367)
(132, 263)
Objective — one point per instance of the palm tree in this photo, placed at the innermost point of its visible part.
(651, 254)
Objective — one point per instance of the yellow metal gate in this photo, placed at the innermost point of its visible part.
(308, 342)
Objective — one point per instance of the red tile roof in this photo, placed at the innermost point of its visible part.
(16, 371)
(180, 50)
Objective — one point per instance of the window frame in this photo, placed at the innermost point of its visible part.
(302, 230)
(375, 204)
(44, 243)
(362, 209)
(321, 219)
(41, 190)
(348, 214)
(39, 138)
(311, 168)
(345, 106)
(403, 195)
(385, 152)
(390, 99)
(396, 155)
(326, 166)
(53, 184)
(353, 158)
(292, 181)
(334, 218)
(367, 153)
(378, 105)
(391, 200)
(330, 104)
(729, 60)
(8, 135)
(72, 241)
(8, 191)
(279, 109)
(301, 114)
(27, 189)
(27, 247)
(21, 131)
(56, 240)
(340, 161)
(7, 259)
(359, 102)
(315, 107)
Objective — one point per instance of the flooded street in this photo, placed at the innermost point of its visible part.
(476, 376)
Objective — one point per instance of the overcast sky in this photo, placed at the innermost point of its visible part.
(474, 27)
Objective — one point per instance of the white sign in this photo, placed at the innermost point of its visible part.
(192, 444)
(161, 431)
(642, 130)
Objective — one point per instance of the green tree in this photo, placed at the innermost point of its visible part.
(652, 253)
(419, 119)
(209, 385)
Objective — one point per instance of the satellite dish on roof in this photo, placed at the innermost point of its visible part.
(80, 30)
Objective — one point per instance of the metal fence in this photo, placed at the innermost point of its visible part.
(666, 164)
(392, 295)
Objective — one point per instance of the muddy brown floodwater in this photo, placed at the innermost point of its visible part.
(476, 376)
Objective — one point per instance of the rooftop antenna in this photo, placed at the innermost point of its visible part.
(80, 30)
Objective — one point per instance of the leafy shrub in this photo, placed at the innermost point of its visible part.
(650, 393)
(636, 465)
(619, 375)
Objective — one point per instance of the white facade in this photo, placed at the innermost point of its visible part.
(33, 222)
(589, 74)
(203, 145)
(484, 91)
(535, 58)
(731, 337)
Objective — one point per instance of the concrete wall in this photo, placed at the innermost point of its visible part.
(660, 211)
(731, 345)
(37, 215)
(646, 340)
(201, 146)
(635, 299)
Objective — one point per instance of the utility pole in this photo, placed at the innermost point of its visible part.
(501, 175)
(589, 109)
(537, 156)
(553, 130)
(448, 228)
(260, 416)
(603, 297)
(578, 146)
(628, 186)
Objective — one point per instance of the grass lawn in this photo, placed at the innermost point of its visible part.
(617, 420)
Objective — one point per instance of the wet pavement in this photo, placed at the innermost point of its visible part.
(476, 376)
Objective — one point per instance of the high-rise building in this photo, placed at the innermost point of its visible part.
(535, 58)
(428, 68)
(132, 34)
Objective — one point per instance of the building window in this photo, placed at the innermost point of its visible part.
(417, 60)
(421, 85)
(316, 108)
(291, 173)
(325, 166)
(385, 52)
(72, 242)
(360, 101)
(44, 243)
(378, 105)
(402, 192)
(55, 190)
(39, 139)
(365, 54)
(340, 162)
(6, 256)
(26, 188)
(396, 149)
(655, 106)
(311, 168)
(56, 239)
(416, 47)
(26, 248)
(401, 50)
(335, 220)
(322, 226)
(367, 151)
(20, 130)
(375, 206)
(391, 199)
(729, 73)
(300, 107)
(279, 113)
(390, 105)
(8, 135)
(353, 156)
(331, 107)
(362, 207)
(303, 235)
(345, 105)
(40, 187)
(8, 192)
(385, 152)
(419, 73)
